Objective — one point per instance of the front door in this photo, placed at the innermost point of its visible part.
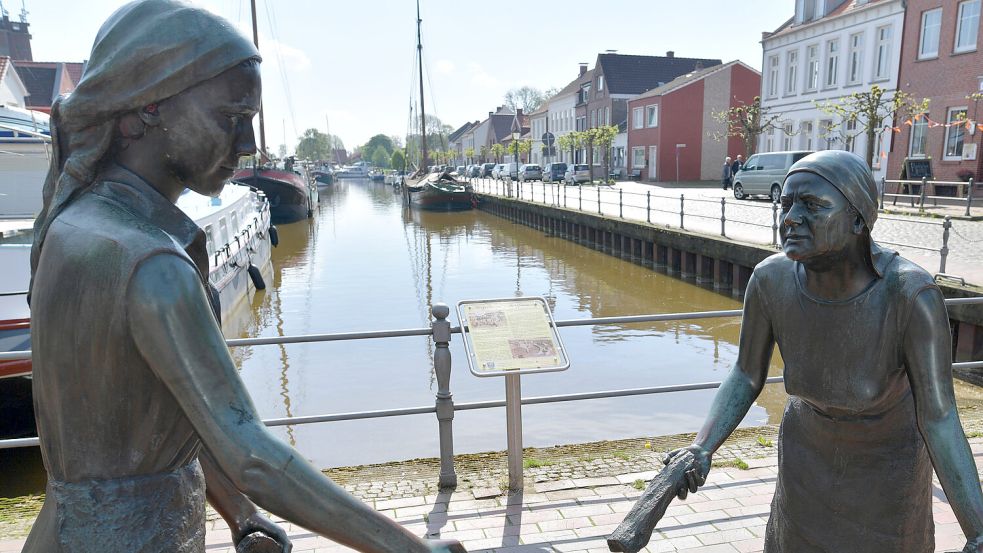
(653, 162)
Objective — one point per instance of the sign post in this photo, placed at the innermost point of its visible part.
(511, 337)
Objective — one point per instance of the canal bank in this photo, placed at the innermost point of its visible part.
(718, 262)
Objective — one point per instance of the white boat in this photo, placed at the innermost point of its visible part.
(25, 153)
(358, 170)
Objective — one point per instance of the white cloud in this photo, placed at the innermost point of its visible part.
(481, 77)
(445, 67)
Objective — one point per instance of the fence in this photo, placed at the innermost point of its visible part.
(440, 331)
(922, 192)
(611, 201)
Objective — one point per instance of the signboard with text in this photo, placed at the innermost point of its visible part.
(511, 336)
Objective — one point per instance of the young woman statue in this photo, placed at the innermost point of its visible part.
(865, 339)
(133, 382)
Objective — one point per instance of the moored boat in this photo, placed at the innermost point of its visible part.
(439, 192)
(291, 197)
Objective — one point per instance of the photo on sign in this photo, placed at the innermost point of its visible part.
(488, 319)
(525, 349)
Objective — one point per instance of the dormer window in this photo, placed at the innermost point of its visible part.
(600, 83)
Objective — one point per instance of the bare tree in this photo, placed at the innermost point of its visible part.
(526, 98)
(747, 122)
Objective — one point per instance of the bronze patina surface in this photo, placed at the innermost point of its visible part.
(138, 401)
(867, 348)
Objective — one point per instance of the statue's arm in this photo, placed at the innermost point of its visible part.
(928, 358)
(173, 326)
(238, 512)
(746, 379)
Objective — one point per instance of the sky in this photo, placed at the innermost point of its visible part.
(347, 66)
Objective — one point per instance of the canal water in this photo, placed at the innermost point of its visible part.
(366, 263)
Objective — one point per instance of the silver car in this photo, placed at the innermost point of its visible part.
(763, 174)
(577, 174)
(530, 171)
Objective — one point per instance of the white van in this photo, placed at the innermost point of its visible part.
(763, 174)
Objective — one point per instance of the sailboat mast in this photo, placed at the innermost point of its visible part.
(262, 125)
(419, 61)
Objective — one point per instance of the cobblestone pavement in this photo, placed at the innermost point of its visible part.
(753, 221)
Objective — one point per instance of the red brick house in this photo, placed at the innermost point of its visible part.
(672, 135)
(941, 60)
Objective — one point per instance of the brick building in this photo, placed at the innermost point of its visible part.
(941, 61)
(672, 134)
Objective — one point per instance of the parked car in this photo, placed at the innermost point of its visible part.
(530, 171)
(460, 170)
(763, 174)
(474, 170)
(553, 172)
(486, 169)
(577, 174)
(510, 171)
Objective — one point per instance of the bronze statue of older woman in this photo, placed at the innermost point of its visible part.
(133, 382)
(865, 339)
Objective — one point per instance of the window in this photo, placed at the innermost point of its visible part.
(851, 135)
(832, 62)
(607, 115)
(791, 71)
(593, 118)
(787, 136)
(826, 133)
(637, 118)
(807, 138)
(812, 67)
(928, 44)
(967, 26)
(638, 156)
(856, 58)
(600, 83)
(773, 76)
(919, 136)
(652, 116)
(770, 144)
(955, 134)
(882, 64)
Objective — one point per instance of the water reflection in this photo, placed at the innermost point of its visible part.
(367, 263)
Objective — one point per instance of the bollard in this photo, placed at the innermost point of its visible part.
(682, 200)
(621, 207)
(564, 194)
(969, 196)
(774, 223)
(445, 402)
(648, 206)
(723, 216)
(944, 252)
(883, 186)
(544, 193)
(921, 200)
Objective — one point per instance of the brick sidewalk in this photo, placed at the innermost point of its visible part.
(728, 515)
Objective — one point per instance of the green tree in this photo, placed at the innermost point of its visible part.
(603, 137)
(469, 154)
(868, 113)
(747, 122)
(498, 151)
(484, 153)
(380, 157)
(314, 145)
(398, 160)
(379, 141)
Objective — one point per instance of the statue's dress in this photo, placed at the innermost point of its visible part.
(854, 474)
(120, 453)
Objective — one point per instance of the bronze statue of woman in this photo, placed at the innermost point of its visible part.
(865, 339)
(132, 378)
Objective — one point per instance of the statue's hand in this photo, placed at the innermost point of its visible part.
(699, 467)
(446, 546)
(259, 523)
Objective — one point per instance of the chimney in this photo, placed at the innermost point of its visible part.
(670, 54)
(698, 66)
(583, 69)
(610, 51)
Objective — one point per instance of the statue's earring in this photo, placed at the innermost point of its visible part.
(150, 115)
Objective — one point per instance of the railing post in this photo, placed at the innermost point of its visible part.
(682, 200)
(445, 402)
(944, 252)
(580, 198)
(544, 193)
(969, 196)
(774, 223)
(564, 186)
(883, 188)
(599, 210)
(723, 216)
(921, 200)
(621, 206)
(648, 206)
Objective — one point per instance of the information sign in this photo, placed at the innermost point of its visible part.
(549, 138)
(916, 168)
(511, 336)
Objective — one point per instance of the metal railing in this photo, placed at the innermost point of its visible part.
(919, 192)
(440, 331)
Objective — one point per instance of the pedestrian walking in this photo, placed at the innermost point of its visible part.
(736, 166)
(728, 174)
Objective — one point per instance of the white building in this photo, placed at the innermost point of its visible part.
(828, 50)
(537, 128)
(12, 90)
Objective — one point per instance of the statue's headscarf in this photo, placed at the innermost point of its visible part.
(849, 174)
(147, 51)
